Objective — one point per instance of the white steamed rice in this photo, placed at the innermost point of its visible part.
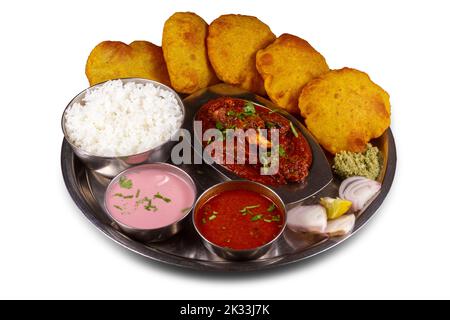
(118, 119)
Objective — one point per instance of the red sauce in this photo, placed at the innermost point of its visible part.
(230, 113)
(239, 219)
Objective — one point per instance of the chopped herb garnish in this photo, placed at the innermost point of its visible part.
(276, 218)
(249, 109)
(203, 220)
(185, 210)
(267, 220)
(212, 217)
(281, 151)
(271, 207)
(270, 125)
(219, 125)
(125, 183)
(138, 192)
(209, 140)
(257, 217)
(118, 207)
(250, 207)
(159, 196)
(149, 206)
(231, 113)
(294, 131)
(246, 209)
(121, 195)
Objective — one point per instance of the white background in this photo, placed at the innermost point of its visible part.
(49, 250)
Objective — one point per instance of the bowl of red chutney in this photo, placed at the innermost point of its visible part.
(239, 220)
(150, 202)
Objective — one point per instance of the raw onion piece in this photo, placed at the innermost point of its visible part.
(307, 219)
(359, 191)
(341, 226)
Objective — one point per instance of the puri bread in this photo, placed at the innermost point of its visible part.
(286, 66)
(233, 41)
(184, 48)
(114, 59)
(344, 110)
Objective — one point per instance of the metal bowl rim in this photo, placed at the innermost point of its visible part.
(281, 231)
(83, 92)
(145, 166)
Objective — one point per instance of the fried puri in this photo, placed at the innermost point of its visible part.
(286, 66)
(233, 41)
(344, 110)
(184, 48)
(113, 59)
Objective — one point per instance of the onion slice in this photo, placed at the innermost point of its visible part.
(341, 226)
(307, 219)
(359, 191)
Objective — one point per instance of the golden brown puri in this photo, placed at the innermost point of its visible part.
(114, 59)
(286, 66)
(344, 110)
(184, 48)
(233, 41)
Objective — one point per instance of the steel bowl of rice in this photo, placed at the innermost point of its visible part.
(121, 123)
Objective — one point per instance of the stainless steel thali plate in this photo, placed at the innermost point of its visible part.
(185, 249)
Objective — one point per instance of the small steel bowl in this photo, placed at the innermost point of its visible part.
(232, 254)
(159, 234)
(112, 166)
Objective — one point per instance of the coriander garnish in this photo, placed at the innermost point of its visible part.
(249, 207)
(159, 196)
(125, 183)
(281, 151)
(267, 220)
(270, 125)
(276, 218)
(249, 109)
(257, 217)
(246, 209)
(123, 196)
(271, 207)
(219, 125)
(149, 206)
(294, 131)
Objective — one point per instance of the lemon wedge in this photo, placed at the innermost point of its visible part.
(335, 207)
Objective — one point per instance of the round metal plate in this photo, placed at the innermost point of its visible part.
(185, 249)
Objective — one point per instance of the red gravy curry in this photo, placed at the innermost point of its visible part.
(239, 219)
(295, 156)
